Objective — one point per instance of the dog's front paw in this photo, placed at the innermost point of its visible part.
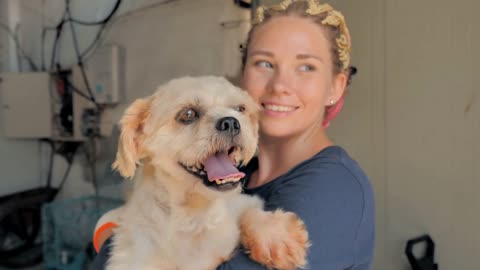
(276, 239)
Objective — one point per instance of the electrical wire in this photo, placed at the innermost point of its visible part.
(68, 18)
(14, 37)
(42, 45)
(103, 24)
(90, 158)
(105, 27)
(100, 22)
(50, 165)
(79, 92)
(58, 33)
(70, 160)
(77, 52)
(19, 57)
(95, 41)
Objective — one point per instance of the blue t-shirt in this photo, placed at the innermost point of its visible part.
(334, 198)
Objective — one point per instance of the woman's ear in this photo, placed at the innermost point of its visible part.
(338, 86)
(130, 141)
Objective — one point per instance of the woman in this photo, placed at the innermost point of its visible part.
(296, 66)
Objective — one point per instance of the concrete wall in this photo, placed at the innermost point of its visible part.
(162, 39)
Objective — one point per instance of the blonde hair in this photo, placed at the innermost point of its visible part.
(331, 20)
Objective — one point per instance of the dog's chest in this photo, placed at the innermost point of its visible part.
(205, 239)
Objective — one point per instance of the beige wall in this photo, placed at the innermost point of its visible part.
(412, 120)
(432, 128)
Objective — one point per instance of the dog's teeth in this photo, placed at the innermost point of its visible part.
(226, 180)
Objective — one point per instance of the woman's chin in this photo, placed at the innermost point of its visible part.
(276, 130)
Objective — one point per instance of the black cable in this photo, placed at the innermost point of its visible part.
(79, 92)
(42, 46)
(87, 84)
(94, 167)
(58, 33)
(79, 56)
(65, 176)
(50, 166)
(68, 150)
(94, 42)
(90, 156)
(19, 57)
(59, 29)
(101, 22)
(32, 64)
(70, 160)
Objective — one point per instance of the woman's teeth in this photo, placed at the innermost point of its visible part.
(279, 108)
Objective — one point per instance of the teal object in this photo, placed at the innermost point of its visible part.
(67, 230)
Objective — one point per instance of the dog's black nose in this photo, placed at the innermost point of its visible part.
(228, 125)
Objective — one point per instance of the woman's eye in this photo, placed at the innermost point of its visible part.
(187, 116)
(307, 68)
(263, 64)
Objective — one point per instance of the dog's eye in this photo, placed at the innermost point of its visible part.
(187, 116)
(240, 108)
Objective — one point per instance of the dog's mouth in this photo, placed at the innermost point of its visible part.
(219, 170)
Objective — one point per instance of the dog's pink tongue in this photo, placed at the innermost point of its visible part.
(219, 166)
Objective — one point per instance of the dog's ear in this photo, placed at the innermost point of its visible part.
(129, 143)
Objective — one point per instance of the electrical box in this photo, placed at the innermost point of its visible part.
(26, 106)
(105, 73)
(39, 105)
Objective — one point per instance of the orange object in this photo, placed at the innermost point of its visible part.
(99, 236)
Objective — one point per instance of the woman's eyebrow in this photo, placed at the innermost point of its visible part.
(307, 56)
(261, 52)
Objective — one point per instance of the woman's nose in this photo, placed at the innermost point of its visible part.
(280, 82)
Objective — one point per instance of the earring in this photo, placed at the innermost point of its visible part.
(332, 102)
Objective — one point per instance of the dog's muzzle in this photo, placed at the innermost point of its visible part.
(219, 169)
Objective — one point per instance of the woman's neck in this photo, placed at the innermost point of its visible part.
(276, 156)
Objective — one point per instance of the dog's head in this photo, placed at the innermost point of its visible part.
(192, 128)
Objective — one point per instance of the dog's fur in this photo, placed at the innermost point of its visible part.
(172, 219)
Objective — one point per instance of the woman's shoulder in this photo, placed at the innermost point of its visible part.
(332, 170)
(333, 196)
(332, 165)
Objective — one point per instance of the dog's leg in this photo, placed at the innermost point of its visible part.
(276, 239)
(137, 250)
(140, 240)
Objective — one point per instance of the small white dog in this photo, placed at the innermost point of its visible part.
(186, 211)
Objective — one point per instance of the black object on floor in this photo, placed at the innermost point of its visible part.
(20, 227)
(427, 261)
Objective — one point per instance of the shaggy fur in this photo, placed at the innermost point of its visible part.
(177, 219)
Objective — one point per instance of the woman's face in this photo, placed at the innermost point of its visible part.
(289, 72)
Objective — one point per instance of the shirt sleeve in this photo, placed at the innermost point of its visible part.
(337, 209)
